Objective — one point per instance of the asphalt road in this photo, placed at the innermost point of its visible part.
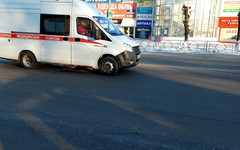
(168, 102)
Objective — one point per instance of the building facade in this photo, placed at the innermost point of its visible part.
(168, 20)
(143, 18)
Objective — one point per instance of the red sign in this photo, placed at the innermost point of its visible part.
(228, 22)
(120, 10)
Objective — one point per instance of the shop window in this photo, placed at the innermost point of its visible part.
(55, 24)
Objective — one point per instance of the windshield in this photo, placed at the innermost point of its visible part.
(108, 26)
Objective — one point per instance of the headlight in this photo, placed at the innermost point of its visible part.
(127, 47)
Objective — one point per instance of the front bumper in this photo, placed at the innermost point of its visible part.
(129, 59)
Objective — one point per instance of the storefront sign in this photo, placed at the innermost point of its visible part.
(228, 22)
(103, 1)
(144, 9)
(228, 35)
(129, 1)
(144, 23)
(230, 8)
(144, 16)
(146, 3)
(142, 32)
(131, 12)
(120, 10)
(117, 21)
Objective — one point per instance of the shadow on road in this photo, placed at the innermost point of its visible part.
(164, 102)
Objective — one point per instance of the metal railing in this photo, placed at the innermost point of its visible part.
(190, 46)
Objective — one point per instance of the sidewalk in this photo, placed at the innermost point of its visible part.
(194, 45)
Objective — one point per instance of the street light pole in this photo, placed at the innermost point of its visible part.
(109, 7)
(153, 19)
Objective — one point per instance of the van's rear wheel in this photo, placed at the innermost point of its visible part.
(108, 66)
(28, 60)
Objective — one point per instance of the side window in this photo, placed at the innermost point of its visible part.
(88, 28)
(84, 26)
(55, 24)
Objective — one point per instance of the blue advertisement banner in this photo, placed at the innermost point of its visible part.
(144, 10)
(144, 16)
(131, 12)
(142, 32)
(144, 23)
(103, 1)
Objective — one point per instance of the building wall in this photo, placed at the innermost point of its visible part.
(168, 19)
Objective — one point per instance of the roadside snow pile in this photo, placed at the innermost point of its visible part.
(195, 45)
(187, 50)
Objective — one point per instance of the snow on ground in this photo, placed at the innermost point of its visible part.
(194, 45)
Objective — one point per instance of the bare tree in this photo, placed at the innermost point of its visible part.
(186, 13)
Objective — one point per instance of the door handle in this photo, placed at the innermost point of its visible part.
(77, 40)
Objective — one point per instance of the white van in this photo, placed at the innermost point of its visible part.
(69, 32)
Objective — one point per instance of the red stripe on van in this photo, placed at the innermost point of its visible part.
(43, 37)
(91, 42)
(71, 39)
(5, 35)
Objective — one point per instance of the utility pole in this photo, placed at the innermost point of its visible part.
(109, 5)
(109, 9)
(238, 34)
(153, 11)
(186, 13)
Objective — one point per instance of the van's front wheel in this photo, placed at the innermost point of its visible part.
(28, 60)
(108, 66)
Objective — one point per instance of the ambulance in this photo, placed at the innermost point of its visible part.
(64, 32)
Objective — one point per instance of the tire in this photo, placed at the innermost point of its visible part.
(28, 60)
(108, 66)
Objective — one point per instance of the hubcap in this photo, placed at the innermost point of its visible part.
(27, 61)
(108, 67)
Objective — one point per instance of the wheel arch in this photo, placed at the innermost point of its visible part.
(106, 55)
(23, 51)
